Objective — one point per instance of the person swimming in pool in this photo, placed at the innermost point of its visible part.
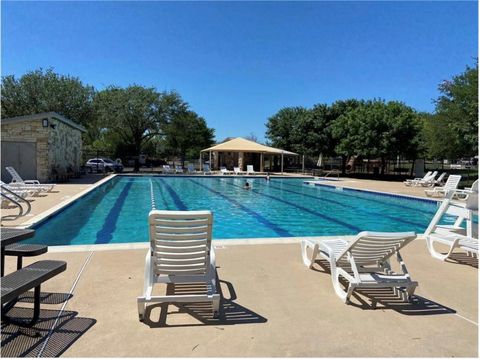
(267, 178)
(247, 185)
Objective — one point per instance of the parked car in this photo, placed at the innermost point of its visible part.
(103, 164)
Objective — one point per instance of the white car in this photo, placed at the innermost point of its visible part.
(103, 165)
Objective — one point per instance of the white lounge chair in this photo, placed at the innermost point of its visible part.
(463, 193)
(450, 185)
(167, 169)
(454, 236)
(180, 251)
(178, 169)
(17, 179)
(22, 190)
(434, 182)
(224, 171)
(411, 182)
(364, 263)
(237, 171)
(191, 169)
(251, 171)
(206, 169)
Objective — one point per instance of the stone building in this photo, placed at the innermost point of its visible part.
(39, 145)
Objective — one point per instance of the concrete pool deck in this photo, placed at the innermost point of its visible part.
(272, 305)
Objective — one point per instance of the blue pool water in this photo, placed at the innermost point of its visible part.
(117, 211)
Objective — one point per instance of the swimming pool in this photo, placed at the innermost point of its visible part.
(116, 212)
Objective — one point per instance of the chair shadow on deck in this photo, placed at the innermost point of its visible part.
(48, 337)
(389, 299)
(230, 312)
(463, 258)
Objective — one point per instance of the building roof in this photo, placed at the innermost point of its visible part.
(41, 116)
(240, 144)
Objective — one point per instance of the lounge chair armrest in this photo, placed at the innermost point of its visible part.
(147, 283)
(31, 182)
(403, 266)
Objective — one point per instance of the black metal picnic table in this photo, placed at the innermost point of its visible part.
(12, 235)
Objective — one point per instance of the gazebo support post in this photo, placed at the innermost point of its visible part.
(303, 164)
(282, 165)
(261, 162)
(210, 160)
(200, 162)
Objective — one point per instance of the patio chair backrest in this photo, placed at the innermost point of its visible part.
(250, 168)
(206, 168)
(180, 242)
(427, 175)
(452, 182)
(475, 186)
(13, 172)
(447, 207)
(374, 248)
(190, 167)
(432, 176)
(441, 177)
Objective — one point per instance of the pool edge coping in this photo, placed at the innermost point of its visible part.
(216, 243)
(383, 193)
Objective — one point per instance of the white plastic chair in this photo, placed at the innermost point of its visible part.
(34, 184)
(364, 263)
(180, 252)
(455, 235)
(167, 169)
(178, 169)
(450, 185)
(237, 171)
(224, 171)
(412, 182)
(191, 169)
(206, 169)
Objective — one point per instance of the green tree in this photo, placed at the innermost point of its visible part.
(187, 134)
(434, 132)
(337, 109)
(376, 129)
(282, 125)
(45, 91)
(136, 114)
(457, 109)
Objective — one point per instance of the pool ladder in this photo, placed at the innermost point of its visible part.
(10, 196)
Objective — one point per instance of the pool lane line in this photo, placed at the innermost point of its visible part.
(104, 235)
(160, 190)
(72, 289)
(152, 195)
(315, 213)
(332, 189)
(176, 198)
(276, 228)
(397, 219)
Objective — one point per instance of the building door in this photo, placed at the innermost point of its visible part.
(20, 155)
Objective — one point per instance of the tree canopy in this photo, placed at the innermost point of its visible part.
(376, 129)
(186, 135)
(46, 91)
(456, 117)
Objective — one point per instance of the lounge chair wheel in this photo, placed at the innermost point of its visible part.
(141, 318)
(216, 315)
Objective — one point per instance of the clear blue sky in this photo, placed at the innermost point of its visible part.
(238, 63)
